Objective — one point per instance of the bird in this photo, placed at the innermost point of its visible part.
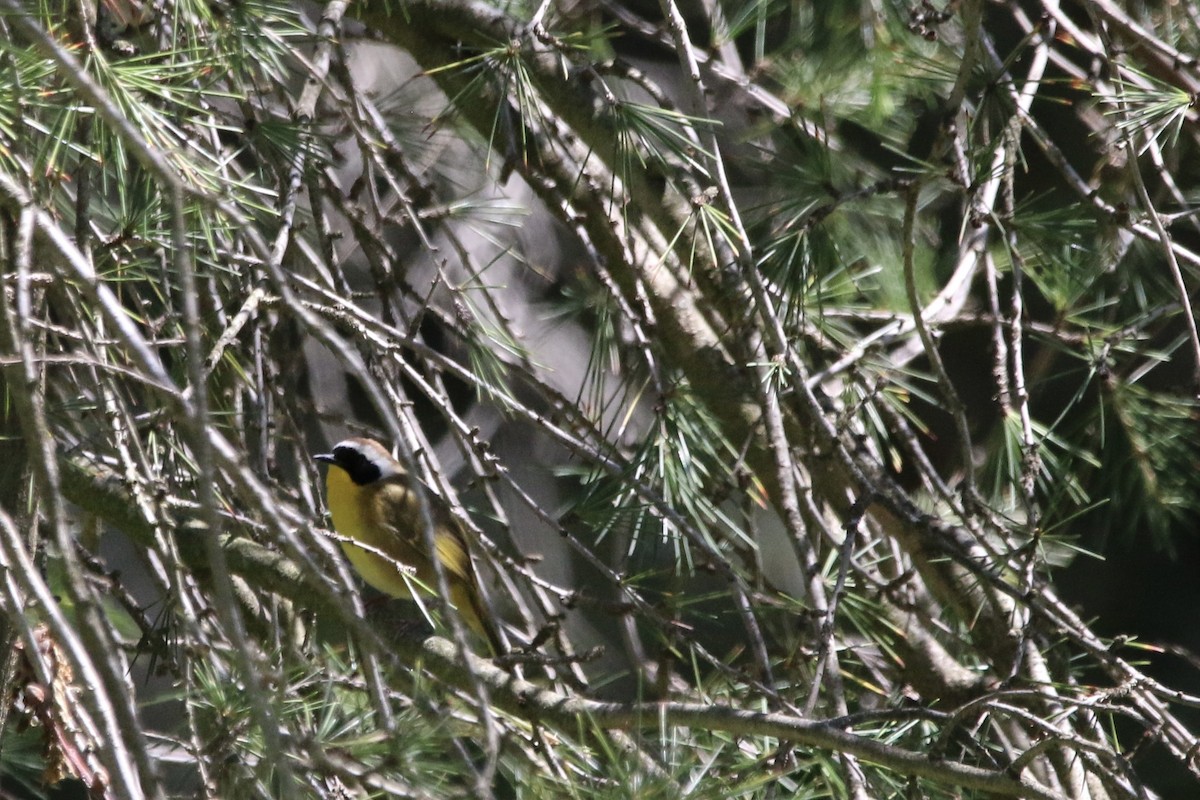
(372, 502)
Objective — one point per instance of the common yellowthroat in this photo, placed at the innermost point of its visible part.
(371, 500)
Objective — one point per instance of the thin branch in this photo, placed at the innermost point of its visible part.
(530, 701)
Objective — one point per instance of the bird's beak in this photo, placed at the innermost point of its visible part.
(326, 458)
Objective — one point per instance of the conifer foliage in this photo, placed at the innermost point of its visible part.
(778, 361)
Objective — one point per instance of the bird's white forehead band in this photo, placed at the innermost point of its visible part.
(377, 455)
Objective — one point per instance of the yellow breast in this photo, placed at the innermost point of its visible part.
(368, 514)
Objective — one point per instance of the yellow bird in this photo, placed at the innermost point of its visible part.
(371, 500)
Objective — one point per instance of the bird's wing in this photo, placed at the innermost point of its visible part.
(399, 514)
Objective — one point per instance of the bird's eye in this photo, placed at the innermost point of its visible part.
(362, 469)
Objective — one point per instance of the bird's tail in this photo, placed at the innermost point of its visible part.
(470, 607)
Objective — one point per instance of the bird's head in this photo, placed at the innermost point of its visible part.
(364, 460)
